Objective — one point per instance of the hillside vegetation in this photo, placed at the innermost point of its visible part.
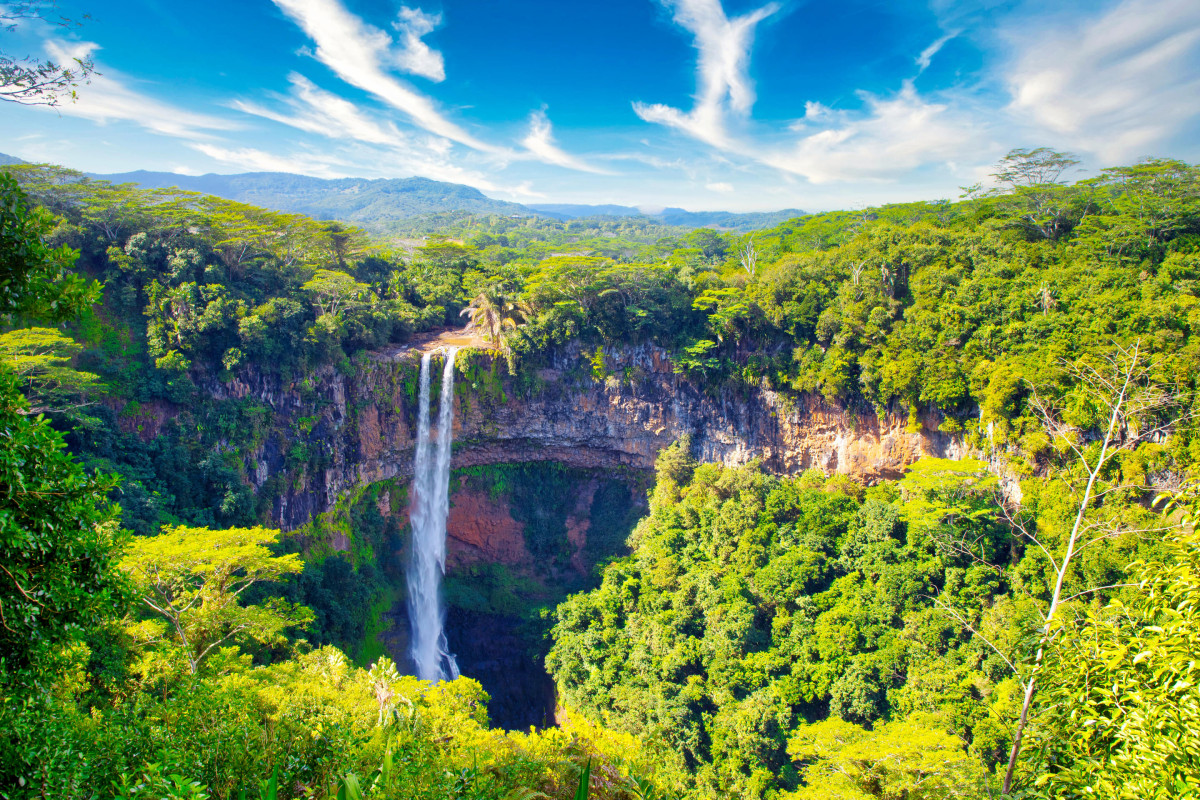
(766, 636)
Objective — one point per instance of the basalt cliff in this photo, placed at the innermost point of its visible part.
(359, 428)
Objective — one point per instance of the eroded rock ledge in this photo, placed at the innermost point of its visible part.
(360, 429)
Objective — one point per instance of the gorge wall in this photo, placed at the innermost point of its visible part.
(520, 538)
(359, 428)
(551, 472)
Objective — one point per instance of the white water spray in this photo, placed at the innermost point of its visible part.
(431, 483)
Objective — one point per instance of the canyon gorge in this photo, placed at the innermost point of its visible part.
(363, 425)
(583, 436)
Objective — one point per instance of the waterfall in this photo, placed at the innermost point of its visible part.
(431, 485)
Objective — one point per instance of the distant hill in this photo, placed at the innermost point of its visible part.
(373, 204)
(563, 211)
(673, 216)
(383, 205)
(748, 221)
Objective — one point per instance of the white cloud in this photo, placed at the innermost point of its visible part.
(365, 146)
(254, 160)
(318, 111)
(416, 56)
(359, 160)
(107, 98)
(719, 186)
(540, 142)
(1117, 85)
(894, 136)
(357, 52)
(723, 47)
(926, 57)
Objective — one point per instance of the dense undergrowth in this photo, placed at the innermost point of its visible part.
(755, 611)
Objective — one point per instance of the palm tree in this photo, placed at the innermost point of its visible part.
(492, 311)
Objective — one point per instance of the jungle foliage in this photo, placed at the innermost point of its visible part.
(123, 674)
(808, 638)
(766, 637)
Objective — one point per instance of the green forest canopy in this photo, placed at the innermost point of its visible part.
(767, 636)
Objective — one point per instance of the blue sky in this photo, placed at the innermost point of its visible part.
(704, 104)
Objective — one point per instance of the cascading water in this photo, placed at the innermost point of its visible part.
(431, 484)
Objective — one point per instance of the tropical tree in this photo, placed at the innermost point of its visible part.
(35, 281)
(492, 310)
(31, 81)
(1142, 206)
(919, 758)
(1033, 179)
(58, 534)
(1121, 701)
(332, 290)
(194, 579)
(1118, 398)
(41, 358)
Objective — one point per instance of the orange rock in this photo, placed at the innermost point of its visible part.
(480, 529)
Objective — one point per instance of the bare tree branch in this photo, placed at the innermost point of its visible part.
(1135, 409)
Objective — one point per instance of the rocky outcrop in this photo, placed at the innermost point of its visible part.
(359, 428)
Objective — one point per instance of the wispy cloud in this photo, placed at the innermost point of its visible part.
(315, 110)
(723, 83)
(253, 160)
(358, 52)
(926, 57)
(415, 56)
(109, 98)
(890, 137)
(1117, 85)
(540, 142)
(385, 149)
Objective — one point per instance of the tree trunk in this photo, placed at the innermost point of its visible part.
(1058, 583)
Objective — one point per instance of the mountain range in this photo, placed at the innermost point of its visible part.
(672, 216)
(380, 204)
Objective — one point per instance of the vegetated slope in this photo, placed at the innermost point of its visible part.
(727, 220)
(380, 205)
(731, 220)
(619, 238)
(374, 204)
(950, 310)
(159, 667)
(563, 211)
(954, 312)
(418, 206)
(810, 638)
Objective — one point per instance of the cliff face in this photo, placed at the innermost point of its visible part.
(520, 538)
(359, 429)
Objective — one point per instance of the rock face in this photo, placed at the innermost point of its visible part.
(546, 528)
(333, 433)
(479, 528)
(359, 429)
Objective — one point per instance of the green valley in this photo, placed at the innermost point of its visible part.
(889, 503)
